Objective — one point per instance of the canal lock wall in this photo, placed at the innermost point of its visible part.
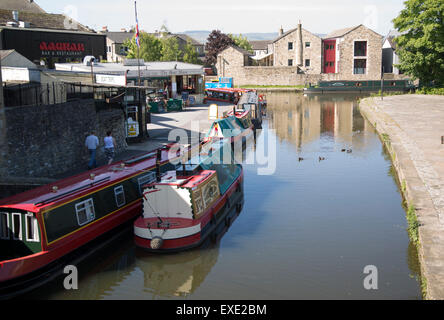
(42, 142)
(427, 232)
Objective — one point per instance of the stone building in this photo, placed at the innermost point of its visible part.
(298, 47)
(299, 57)
(352, 54)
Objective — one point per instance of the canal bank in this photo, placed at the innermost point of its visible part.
(410, 126)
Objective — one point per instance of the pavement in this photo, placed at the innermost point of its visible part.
(191, 119)
(412, 127)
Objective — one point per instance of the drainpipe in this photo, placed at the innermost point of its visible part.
(299, 47)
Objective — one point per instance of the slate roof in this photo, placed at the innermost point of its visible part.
(260, 44)
(119, 37)
(21, 5)
(41, 20)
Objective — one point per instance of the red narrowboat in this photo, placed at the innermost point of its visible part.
(183, 209)
(230, 95)
(43, 225)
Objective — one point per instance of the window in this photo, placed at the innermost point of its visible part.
(119, 195)
(4, 225)
(16, 226)
(360, 66)
(148, 178)
(290, 62)
(360, 48)
(307, 62)
(109, 48)
(32, 230)
(85, 212)
(307, 44)
(290, 46)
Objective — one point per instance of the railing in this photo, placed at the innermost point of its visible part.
(34, 94)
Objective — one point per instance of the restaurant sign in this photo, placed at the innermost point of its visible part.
(61, 48)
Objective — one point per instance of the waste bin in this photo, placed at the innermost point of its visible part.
(155, 107)
(174, 105)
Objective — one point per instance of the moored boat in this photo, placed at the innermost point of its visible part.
(360, 86)
(187, 205)
(41, 226)
(230, 95)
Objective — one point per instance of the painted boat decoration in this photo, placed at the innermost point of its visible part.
(360, 86)
(183, 209)
(230, 95)
(231, 128)
(41, 226)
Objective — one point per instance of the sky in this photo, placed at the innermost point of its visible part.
(230, 16)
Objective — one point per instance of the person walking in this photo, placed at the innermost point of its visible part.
(110, 143)
(92, 142)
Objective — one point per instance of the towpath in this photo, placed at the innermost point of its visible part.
(412, 128)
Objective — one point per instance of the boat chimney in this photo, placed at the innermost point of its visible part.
(158, 159)
(299, 46)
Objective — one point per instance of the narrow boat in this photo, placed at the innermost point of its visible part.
(232, 128)
(185, 207)
(360, 86)
(41, 226)
(230, 95)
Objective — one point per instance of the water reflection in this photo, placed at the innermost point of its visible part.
(302, 120)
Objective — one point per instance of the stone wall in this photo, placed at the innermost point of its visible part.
(44, 141)
(346, 55)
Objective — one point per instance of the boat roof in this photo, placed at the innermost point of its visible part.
(229, 89)
(81, 184)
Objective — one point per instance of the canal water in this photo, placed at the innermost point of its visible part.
(307, 231)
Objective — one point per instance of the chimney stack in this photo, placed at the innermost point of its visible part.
(281, 31)
(299, 46)
(15, 15)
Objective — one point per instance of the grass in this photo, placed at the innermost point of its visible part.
(413, 224)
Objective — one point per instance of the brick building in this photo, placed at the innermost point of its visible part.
(299, 56)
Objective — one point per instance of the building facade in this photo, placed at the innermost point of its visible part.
(299, 57)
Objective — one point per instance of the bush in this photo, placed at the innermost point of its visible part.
(425, 90)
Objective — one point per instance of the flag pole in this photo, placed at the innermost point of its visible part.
(137, 40)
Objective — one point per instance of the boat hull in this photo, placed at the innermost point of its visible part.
(194, 233)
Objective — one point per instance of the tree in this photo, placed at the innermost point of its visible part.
(150, 47)
(241, 42)
(170, 49)
(216, 43)
(421, 43)
(190, 54)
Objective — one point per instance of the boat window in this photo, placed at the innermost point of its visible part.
(85, 212)
(150, 177)
(31, 228)
(119, 195)
(4, 225)
(17, 226)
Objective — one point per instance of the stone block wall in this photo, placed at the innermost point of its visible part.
(346, 55)
(44, 141)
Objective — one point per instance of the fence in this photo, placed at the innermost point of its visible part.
(31, 94)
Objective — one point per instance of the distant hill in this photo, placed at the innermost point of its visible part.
(202, 35)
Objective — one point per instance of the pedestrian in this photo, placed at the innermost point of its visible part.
(110, 143)
(92, 142)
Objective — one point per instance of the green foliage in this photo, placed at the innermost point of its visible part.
(241, 42)
(170, 49)
(421, 45)
(413, 224)
(437, 91)
(190, 54)
(150, 47)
